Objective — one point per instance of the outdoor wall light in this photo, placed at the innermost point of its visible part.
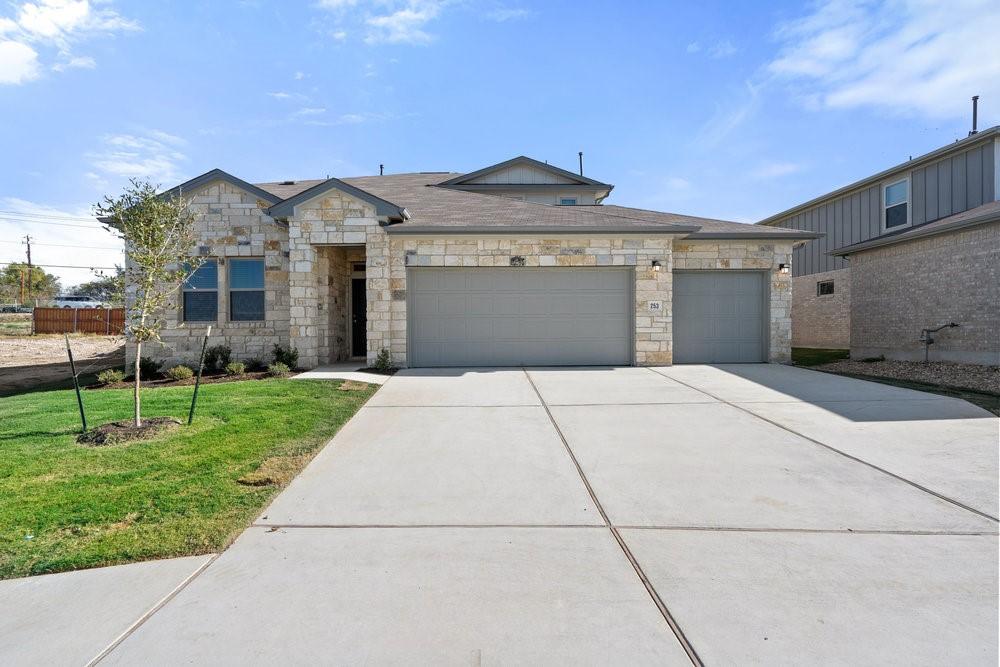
(784, 269)
(656, 265)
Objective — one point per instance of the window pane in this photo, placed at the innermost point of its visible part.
(896, 193)
(205, 276)
(201, 306)
(246, 306)
(246, 274)
(895, 216)
(567, 202)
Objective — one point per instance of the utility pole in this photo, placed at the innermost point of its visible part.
(22, 286)
(27, 240)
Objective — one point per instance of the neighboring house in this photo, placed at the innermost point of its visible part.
(446, 269)
(914, 247)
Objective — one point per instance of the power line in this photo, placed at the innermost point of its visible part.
(43, 222)
(63, 266)
(49, 216)
(70, 245)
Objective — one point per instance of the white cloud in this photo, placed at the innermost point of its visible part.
(339, 35)
(309, 111)
(769, 170)
(722, 49)
(18, 63)
(903, 57)
(504, 14)
(730, 114)
(352, 119)
(54, 25)
(405, 24)
(298, 76)
(152, 154)
(280, 95)
(693, 47)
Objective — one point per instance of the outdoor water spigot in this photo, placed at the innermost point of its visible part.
(927, 339)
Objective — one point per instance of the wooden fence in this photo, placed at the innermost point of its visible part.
(108, 321)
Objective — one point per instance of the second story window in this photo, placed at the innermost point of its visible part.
(897, 204)
(824, 288)
(567, 201)
(201, 293)
(246, 290)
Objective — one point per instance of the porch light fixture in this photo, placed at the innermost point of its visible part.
(656, 265)
(784, 269)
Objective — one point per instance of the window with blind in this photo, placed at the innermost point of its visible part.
(201, 293)
(246, 290)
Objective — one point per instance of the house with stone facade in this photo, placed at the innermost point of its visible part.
(519, 263)
(912, 248)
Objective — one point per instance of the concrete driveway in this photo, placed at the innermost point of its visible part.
(727, 514)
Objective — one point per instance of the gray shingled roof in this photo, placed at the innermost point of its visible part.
(433, 208)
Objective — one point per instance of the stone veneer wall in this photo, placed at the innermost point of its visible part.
(230, 223)
(750, 255)
(334, 219)
(900, 289)
(822, 321)
(652, 329)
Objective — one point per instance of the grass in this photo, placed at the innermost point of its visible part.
(15, 324)
(66, 506)
(812, 356)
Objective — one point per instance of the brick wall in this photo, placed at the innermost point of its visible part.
(822, 321)
(898, 290)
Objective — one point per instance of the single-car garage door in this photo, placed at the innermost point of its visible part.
(719, 317)
(519, 316)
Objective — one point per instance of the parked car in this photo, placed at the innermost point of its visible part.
(77, 301)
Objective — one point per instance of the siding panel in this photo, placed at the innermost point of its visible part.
(974, 178)
(989, 173)
(958, 187)
(944, 188)
(931, 193)
(917, 197)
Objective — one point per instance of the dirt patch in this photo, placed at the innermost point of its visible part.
(275, 471)
(126, 431)
(214, 378)
(37, 361)
(948, 375)
(352, 385)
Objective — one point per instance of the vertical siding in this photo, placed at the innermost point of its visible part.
(950, 185)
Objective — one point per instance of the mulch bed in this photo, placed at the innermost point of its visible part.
(207, 378)
(953, 376)
(126, 431)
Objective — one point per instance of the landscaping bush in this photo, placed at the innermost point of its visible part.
(277, 370)
(255, 365)
(383, 362)
(287, 356)
(110, 376)
(149, 369)
(236, 368)
(217, 356)
(179, 373)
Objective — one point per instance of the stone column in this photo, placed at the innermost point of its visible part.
(304, 301)
(377, 283)
(654, 325)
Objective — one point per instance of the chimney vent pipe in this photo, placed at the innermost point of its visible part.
(581, 162)
(975, 115)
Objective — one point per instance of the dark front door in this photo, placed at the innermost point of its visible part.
(359, 317)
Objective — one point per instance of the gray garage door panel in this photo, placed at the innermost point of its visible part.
(719, 317)
(519, 316)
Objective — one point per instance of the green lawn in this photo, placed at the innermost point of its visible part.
(810, 356)
(66, 506)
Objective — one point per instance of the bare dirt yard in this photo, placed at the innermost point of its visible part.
(39, 361)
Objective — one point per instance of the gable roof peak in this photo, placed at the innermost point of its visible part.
(524, 159)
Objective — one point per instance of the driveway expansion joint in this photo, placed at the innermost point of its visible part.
(657, 600)
(915, 485)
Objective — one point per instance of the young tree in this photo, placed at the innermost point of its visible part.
(159, 239)
(36, 281)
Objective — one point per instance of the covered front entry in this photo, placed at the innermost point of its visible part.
(719, 317)
(519, 316)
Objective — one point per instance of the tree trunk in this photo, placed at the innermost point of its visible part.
(135, 389)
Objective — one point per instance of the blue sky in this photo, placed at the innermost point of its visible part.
(721, 109)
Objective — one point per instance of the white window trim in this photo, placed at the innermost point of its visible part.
(230, 289)
(909, 203)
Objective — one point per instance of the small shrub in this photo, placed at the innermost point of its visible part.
(383, 362)
(148, 368)
(217, 356)
(287, 356)
(179, 373)
(255, 365)
(277, 370)
(110, 376)
(235, 368)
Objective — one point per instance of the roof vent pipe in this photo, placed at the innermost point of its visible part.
(581, 162)
(381, 170)
(975, 114)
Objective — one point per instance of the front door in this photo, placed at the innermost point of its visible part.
(359, 317)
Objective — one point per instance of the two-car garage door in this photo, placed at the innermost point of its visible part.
(528, 316)
(520, 316)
